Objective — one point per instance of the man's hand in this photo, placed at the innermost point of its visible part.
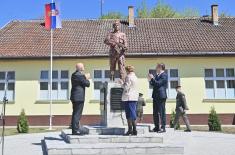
(150, 77)
(88, 76)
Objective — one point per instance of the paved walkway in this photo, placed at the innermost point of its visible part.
(196, 143)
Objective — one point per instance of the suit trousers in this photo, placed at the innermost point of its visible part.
(185, 119)
(77, 113)
(159, 112)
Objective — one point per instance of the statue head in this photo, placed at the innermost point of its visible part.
(116, 25)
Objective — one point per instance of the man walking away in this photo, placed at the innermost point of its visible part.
(181, 107)
(159, 84)
(79, 82)
(140, 104)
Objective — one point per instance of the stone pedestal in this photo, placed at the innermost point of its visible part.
(112, 111)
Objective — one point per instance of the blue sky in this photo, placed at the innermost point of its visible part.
(80, 9)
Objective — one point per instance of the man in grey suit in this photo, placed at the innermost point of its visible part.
(181, 107)
(79, 82)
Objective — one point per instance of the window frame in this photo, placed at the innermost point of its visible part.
(59, 80)
(9, 81)
(214, 78)
(103, 79)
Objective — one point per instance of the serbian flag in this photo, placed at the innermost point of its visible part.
(52, 16)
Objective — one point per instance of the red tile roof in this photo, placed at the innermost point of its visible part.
(84, 38)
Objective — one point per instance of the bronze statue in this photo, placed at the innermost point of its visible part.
(118, 46)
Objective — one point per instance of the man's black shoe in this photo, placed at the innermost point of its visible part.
(155, 129)
(128, 133)
(187, 130)
(162, 131)
(134, 133)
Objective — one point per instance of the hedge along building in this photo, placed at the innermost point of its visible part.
(198, 53)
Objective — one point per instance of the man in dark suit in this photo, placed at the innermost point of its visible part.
(159, 84)
(79, 82)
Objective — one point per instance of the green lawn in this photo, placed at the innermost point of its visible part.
(13, 131)
(229, 130)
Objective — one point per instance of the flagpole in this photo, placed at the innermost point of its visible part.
(51, 70)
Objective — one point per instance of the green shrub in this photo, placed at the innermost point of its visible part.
(213, 121)
(22, 123)
(172, 121)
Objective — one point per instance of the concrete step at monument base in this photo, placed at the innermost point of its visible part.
(101, 130)
(148, 138)
(58, 147)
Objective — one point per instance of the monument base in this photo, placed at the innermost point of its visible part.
(113, 113)
(150, 144)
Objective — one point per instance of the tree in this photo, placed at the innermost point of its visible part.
(224, 15)
(113, 15)
(22, 123)
(189, 12)
(213, 121)
(162, 10)
(142, 11)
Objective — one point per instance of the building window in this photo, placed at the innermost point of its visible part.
(173, 81)
(99, 78)
(7, 77)
(60, 85)
(220, 83)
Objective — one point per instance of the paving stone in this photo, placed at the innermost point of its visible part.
(120, 139)
(155, 150)
(88, 140)
(113, 151)
(85, 151)
(105, 140)
(172, 150)
(139, 139)
(59, 152)
(112, 139)
(96, 130)
(155, 140)
(135, 151)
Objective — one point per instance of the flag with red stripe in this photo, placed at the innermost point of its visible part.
(52, 16)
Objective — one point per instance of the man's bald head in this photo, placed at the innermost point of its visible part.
(80, 67)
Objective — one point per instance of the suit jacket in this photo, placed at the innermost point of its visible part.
(159, 83)
(181, 103)
(130, 88)
(79, 83)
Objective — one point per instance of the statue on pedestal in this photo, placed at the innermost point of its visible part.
(118, 47)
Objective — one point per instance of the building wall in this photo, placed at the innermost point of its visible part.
(191, 73)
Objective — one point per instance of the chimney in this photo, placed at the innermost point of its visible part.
(215, 15)
(131, 16)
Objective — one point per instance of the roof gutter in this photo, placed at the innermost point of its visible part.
(129, 55)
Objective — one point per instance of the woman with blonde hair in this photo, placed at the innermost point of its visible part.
(130, 98)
